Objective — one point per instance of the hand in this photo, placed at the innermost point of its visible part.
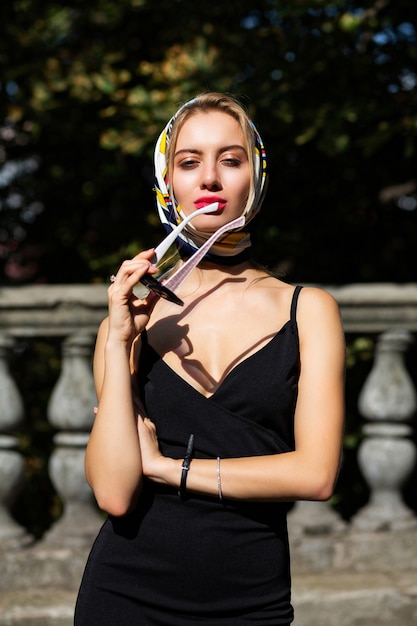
(152, 459)
(128, 315)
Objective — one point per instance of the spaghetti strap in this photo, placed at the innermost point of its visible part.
(294, 304)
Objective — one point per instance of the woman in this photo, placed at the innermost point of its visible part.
(237, 408)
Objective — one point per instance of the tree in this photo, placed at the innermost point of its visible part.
(87, 88)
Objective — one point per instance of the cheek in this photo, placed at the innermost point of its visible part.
(243, 183)
(244, 190)
(180, 184)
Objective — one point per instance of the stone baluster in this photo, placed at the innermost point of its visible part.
(11, 462)
(70, 411)
(387, 455)
(314, 518)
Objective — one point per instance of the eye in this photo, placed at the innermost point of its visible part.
(232, 162)
(233, 157)
(188, 163)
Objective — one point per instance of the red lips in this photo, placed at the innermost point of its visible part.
(205, 200)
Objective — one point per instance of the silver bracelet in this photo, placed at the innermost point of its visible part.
(219, 480)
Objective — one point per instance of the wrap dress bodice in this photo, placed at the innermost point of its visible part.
(176, 562)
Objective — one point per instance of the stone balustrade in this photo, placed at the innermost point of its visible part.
(387, 403)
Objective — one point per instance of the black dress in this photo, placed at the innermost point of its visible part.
(176, 562)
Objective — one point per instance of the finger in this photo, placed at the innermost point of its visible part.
(144, 257)
(149, 423)
(145, 254)
(131, 272)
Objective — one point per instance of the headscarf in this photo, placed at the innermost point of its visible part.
(233, 247)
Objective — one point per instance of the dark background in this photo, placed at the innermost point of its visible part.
(86, 88)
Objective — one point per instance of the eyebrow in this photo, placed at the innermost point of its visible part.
(220, 151)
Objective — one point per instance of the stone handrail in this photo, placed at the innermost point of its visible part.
(73, 312)
(59, 310)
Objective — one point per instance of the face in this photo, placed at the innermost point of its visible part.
(211, 165)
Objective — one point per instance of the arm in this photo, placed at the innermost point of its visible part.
(113, 463)
(308, 473)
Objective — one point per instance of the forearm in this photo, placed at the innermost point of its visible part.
(113, 459)
(283, 477)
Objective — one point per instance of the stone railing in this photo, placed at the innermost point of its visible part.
(387, 403)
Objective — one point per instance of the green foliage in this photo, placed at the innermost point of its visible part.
(86, 89)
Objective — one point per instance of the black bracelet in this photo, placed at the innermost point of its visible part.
(185, 467)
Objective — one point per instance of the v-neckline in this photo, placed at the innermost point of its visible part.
(221, 384)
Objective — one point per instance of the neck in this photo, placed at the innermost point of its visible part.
(225, 261)
(208, 273)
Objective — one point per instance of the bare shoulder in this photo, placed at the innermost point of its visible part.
(317, 300)
(102, 332)
(273, 295)
(100, 342)
(317, 309)
(104, 327)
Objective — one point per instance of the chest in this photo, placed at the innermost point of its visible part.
(204, 342)
(260, 389)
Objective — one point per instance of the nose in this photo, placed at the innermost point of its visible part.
(210, 177)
